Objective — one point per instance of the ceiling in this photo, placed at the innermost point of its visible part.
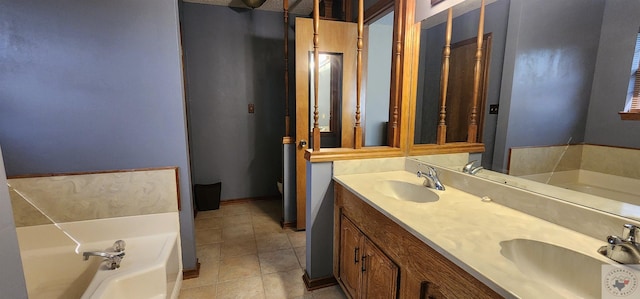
(305, 7)
(459, 9)
(298, 7)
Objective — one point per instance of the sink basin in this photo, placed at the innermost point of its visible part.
(567, 272)
(406, 191)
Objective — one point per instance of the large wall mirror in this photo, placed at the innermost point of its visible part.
(329, 98)
(558, 74)
(451, 81)
(338, 74)
(460, 85)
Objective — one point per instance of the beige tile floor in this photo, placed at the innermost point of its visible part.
(244, 253)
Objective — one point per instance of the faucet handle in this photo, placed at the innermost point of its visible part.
(613, 240)
(118, 246)
(630, 232)
(432, 171)
(428, 178)
(467, 167)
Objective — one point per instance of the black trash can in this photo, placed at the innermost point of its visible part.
(207, 196)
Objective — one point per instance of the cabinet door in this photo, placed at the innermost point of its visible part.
(350, 255)
(380, 274)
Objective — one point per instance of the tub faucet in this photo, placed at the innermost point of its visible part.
(623, 250)
(468, 168)
(431, 178)
(113, 255)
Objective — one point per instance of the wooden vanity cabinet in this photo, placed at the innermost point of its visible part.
(365, 271)
(396, 263)
(350, 271)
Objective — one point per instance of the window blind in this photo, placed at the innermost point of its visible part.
(635, 100)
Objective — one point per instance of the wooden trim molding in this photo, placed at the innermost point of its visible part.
(318, 283)
(246, 200)
(447, 148)
(629, 115)
(378, 10)
(409, 70)
(611, 146)
(572, 144)
(337, 154)
(288, 140)
(39, 175)
(191, 273)
(177, 173)
(292, 225)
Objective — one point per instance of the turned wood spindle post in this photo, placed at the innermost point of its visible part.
(473, 120)
(444, 82)
(394, 130)
(357, 135)
(316, 66)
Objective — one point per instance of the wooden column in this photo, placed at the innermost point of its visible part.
(444, 81)
(396, 76)
(357, 134)
(473, 120)
(316, 66)
(287, 118)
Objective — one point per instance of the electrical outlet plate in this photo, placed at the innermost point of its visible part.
(493, 109)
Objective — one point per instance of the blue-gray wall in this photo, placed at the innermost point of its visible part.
(94, 85)
(12, 284)
(548, 71)
(428, 96)
(620, 25)
(378, 81)
(235, 57)
(319, 217)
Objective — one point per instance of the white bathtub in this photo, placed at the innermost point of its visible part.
(54, 270)
(151, 268)
(148, 270)
(615, 187)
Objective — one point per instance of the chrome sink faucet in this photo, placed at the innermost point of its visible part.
(468, 168)
(625, 250)
(113, 256)
(431, 178)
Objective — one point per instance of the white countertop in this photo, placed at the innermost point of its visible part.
(468, 231)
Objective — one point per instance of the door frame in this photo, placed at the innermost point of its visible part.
(461, 84)
(334, 37)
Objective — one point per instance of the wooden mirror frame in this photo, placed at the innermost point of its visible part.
(412, 42)
(398, 106)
